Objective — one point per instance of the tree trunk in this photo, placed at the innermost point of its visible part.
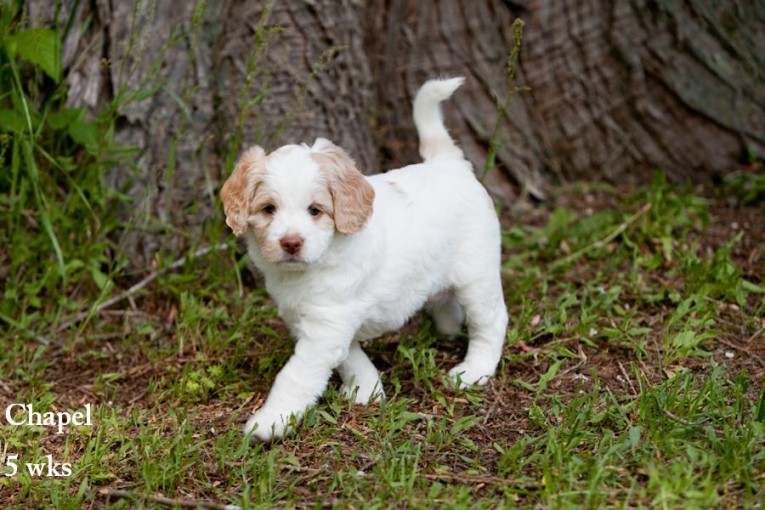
(409, 42)
(623, 88)
(184, 72)
(618, 89)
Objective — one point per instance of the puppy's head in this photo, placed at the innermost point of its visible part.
(295, 200)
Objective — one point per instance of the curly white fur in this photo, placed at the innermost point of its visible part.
(426, 234)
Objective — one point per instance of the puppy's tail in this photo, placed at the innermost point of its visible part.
(435, 142)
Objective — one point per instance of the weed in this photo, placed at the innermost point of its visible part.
(748, 185)
(503, 104)
(54, 209)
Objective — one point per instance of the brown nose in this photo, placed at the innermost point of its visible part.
(291, 243)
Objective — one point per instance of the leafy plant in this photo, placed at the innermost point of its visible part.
(748, 185)
(54, 207)
(503, 104)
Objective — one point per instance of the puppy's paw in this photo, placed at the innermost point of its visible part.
(267, 424)
(364, 394)
(468, 374)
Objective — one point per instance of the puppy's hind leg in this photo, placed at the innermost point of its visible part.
(447, 313)
(486, 313)
(361, 380)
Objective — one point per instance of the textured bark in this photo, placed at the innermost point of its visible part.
(314, 74)
(183, 83)
(622, 88)
(618, 89)
(409, 42)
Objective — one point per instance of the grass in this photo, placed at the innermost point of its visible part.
(632, 377)
(632, 374)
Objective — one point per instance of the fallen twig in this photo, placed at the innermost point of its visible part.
(683, 421)
(602, 242)
(745, 350)
(7, 389)
(627, 378)
(756, 334)
(162, 500)
(40, 339)
(495, 403)
(481, 479)
(140, 285)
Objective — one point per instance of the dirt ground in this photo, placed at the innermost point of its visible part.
(505, 405)
(75, 375)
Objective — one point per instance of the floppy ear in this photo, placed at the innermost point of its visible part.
(352, 195)
(238, 191)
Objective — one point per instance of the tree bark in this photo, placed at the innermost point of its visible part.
(409, 42)
(183, 72)
(618, 89)
(623, 88)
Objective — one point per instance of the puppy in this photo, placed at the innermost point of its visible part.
(348, 258)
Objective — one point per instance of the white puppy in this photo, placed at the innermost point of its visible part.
(348, 258)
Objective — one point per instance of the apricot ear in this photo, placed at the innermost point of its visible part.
(352, 195)
(239, 189)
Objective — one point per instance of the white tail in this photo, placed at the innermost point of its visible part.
(435, 142)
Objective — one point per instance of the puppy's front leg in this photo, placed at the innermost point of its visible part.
(361, 381)
(300, 382)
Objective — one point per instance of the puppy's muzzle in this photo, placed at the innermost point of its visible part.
(291, 244)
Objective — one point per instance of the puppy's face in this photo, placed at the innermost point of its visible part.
(295, 200)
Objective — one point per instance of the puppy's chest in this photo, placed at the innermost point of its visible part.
(374, 327)
(384, 316)
(372, 306)
(371, 317)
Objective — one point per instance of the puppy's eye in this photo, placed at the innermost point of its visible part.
(314, 211)
(269, 209)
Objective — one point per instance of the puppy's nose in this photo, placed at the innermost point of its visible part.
(291, 243)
